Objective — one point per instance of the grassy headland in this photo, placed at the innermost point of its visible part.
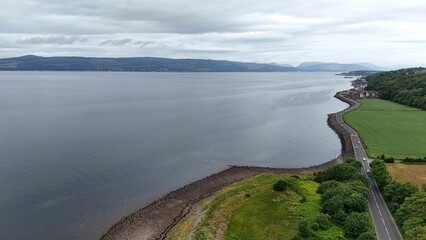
(330, 204)
(251, 209)
(389, 128)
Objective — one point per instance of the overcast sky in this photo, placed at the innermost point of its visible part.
(388, 33)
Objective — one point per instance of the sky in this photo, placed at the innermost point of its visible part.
(387, 33)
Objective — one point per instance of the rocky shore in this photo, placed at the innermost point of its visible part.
(156, 219)
(345, 138)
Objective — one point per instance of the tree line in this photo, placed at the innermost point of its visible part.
(405, 86)
(344, 202)
(404, 200)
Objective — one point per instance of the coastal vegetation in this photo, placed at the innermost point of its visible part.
(344, 197)
(405, 86)
(388, 128)
(267, 206)
(405, 201)
(330, 204)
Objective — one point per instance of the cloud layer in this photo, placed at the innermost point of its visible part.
(383, 32)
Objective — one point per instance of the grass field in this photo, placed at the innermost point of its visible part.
(388, 128)
(252, 210)
(408, 173)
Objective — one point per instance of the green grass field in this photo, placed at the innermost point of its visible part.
(389, 128)
(250, 209)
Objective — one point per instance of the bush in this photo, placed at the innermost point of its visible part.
(424, 187)
(366, 236)
(298, 237)
(304, 230)
(323, 221)
(411, 215)
(380, 173)
(340, 217)
(414, 160)
(350, 170)
(356, 224)
(389, 160)
(327, 185)
(295, 176)
(396, 192)
(303, 199)
(315, 226)
(280, 186)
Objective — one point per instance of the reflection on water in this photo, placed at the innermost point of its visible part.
(78, 151)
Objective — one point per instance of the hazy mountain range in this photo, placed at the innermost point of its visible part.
(151, 64)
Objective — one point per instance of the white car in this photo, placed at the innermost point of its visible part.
(364, 159)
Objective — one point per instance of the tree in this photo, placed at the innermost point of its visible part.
(304, 230)
(280, 186)
(327, 185)
(356, 203)
(412, 214)
(340, 217)
(323, 221)
(417, 233)
(380, 173)
(366, 236)
(396, 192)
(356, 224)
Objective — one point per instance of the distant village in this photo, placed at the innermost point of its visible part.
(358, 91)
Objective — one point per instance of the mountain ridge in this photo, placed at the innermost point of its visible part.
(156, 64)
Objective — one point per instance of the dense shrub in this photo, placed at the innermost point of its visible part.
(304, 229)
(356, 224)
(327, 185)
(389, 160)
(340, 172)
(411, 215)
(380, 173)
(396, 192)
(323, 221)
(366, 236)
(414, 160)
(280, 186)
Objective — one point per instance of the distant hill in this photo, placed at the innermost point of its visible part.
(152, 64)
(335, 67)
(139, 64)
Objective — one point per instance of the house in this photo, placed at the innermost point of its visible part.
(360, 93)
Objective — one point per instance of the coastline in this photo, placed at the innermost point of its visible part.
(156, 219)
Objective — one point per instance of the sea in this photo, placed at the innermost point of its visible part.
(81, 150)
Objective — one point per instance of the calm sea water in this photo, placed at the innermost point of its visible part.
(78, 151)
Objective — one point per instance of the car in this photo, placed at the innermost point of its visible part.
(368, 170)
(364, 159)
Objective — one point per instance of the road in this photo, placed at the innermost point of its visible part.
(386, 229)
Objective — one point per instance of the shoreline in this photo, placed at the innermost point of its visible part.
(157, 218)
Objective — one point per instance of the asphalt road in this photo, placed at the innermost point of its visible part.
(384, 223)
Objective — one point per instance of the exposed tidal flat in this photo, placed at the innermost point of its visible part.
(81, 150)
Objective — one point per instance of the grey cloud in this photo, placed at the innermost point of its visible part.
(143, 44)
(289, 31)
(53, 40)
(119, 42)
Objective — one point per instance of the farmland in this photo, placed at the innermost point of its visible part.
(389, 128)
(408, 172)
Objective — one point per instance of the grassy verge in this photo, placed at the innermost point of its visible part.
(408, 172)
(252, 210)
(388, 128)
